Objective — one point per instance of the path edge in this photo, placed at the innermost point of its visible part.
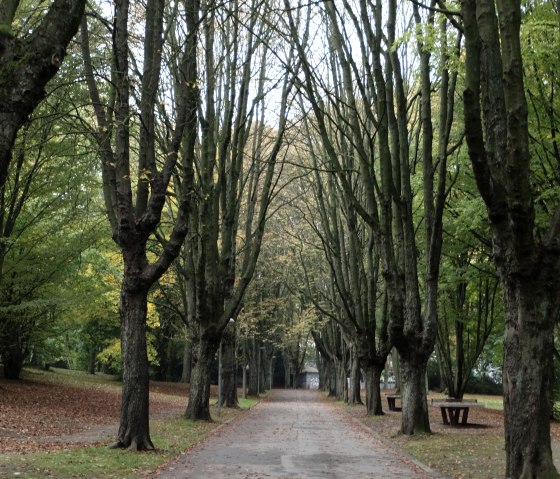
(393, 446)
(165, 465)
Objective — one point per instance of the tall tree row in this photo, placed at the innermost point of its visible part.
(362, 116)
(348, 246)
(238, 160)
(190, 107)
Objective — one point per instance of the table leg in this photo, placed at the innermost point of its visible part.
(465, 415)
(444, 416)
(454, 413)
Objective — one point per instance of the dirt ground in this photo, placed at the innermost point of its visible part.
(37, 414)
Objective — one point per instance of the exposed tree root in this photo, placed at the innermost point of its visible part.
(134, 446)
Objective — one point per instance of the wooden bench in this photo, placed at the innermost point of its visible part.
(391, 401)
(451, 411)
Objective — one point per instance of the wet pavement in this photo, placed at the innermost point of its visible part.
(295, 434)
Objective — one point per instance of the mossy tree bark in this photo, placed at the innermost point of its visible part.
(198, 407)
(134, 431)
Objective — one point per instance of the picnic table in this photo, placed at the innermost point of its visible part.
(391, 401)
(451, 411)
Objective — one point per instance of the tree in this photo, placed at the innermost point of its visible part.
(237, 167)
(377, 99)
(348, 246)
(526, 252)
(468, 316)
(134, 213)
(470, 310)
(28, 60)
(46, 223)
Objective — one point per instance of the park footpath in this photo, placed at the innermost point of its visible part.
(295, 434)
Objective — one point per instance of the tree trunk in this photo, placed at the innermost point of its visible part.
(396, 360)
(373, 391)
(229, 368)
(251, 354)
(415, 417)
(134, 430)
(527, 258)
(13, 362)
(341, 381)
(331, 380)
(187, 360)
(528, 347)
(253, 381)
(459, 360)
(198, 407)
(354, 393)
(91, 360)
(288, 375)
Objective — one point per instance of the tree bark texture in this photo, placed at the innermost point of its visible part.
(198, 407)
(341, 380)
(134, 430)
(527, 377)
(229, 369)
(527, 259)
(187, 362)
(374, 406)
(413, 393)
(354, 394)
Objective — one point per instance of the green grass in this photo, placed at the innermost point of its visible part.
(73, 377)
(170, 436)
(247, 403)
(458, 456)
(90, 462)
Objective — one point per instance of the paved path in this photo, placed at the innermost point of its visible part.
(294, 435)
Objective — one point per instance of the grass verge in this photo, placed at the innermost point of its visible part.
(458, 456)
(472, 452)
(170, 436)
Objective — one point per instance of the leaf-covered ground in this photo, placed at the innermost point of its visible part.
(472, 452)
(60, 409)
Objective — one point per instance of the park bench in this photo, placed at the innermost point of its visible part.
(451, 410)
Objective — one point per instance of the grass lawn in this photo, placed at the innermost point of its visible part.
(171, 437)
(458, 456)
(473, 452)
(491, 402)
(39, 457)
